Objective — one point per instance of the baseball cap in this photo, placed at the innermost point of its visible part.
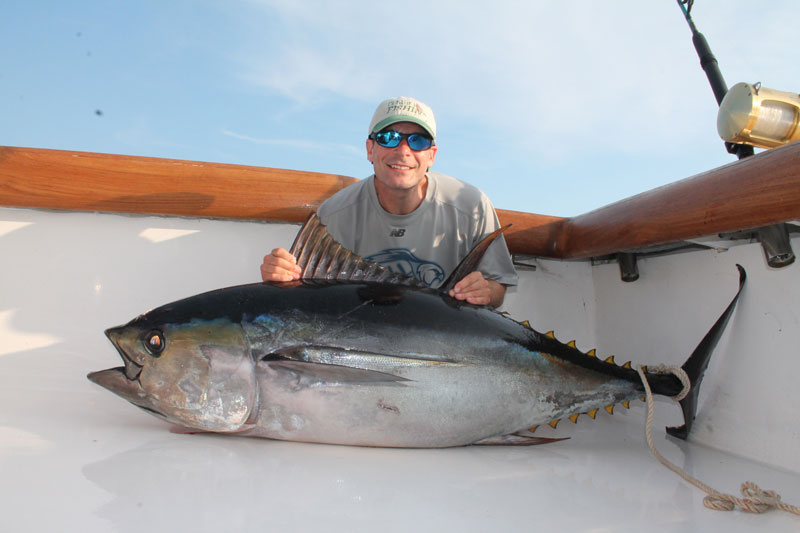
(403, 109)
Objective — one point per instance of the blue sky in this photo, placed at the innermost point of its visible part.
(551, 107)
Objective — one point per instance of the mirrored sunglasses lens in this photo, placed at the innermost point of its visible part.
(418, 142)
(389, 139)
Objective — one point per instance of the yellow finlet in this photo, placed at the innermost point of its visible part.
(592, 413)
(592, 353)
(610, 409)
(526, 323)
(609, 359)
(554, 423)
(627, 404)
(534, 428)
(627, 365)
(551, 334)
(643, 399)
(574, 418)
(571, 344)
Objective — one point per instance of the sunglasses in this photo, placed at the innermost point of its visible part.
(391, 139)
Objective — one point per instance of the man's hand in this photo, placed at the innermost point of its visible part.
(477, 290)
(280, 265)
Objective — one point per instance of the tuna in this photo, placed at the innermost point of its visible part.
(354, 354)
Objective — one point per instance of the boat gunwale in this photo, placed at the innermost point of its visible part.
(757, 191)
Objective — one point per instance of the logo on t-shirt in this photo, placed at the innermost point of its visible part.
(398, 232)
(403, 261)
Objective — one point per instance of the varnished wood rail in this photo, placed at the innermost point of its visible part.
(80, 181)
(758, 191)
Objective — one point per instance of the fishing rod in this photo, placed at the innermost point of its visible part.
(709, 64)
(751, 115)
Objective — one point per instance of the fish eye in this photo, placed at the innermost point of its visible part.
(154, 343)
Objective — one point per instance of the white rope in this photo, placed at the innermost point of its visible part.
(754, 500)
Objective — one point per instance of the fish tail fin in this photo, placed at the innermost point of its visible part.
(695, 366)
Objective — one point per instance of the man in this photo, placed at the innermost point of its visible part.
(409, 218)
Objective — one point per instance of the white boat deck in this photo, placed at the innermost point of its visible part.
(75, 457)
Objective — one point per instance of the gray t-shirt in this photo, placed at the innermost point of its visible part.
(428, 243)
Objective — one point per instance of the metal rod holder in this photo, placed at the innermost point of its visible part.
(777, 247)
(628, 270)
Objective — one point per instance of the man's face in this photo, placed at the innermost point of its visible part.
(400, 167)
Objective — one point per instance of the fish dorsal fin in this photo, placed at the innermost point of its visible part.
(470, 263)
(321, 257)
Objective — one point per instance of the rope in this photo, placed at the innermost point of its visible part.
(754, 499)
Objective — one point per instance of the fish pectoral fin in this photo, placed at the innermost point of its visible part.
(338, 356)
(302, 374)
(516, 440)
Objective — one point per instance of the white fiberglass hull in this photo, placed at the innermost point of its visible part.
(71, 453)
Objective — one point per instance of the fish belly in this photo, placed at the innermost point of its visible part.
(423, 406)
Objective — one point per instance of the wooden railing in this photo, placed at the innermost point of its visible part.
(758, 191)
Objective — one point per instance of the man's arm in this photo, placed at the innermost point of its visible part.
(477, 290)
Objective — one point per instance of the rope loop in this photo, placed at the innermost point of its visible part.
(719, 503)
(679, 373)
(754, 500)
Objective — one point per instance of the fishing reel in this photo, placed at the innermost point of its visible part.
(758, 116)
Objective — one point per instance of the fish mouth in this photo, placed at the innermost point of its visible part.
(115, 380)
(124, 380)
(131, 369)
